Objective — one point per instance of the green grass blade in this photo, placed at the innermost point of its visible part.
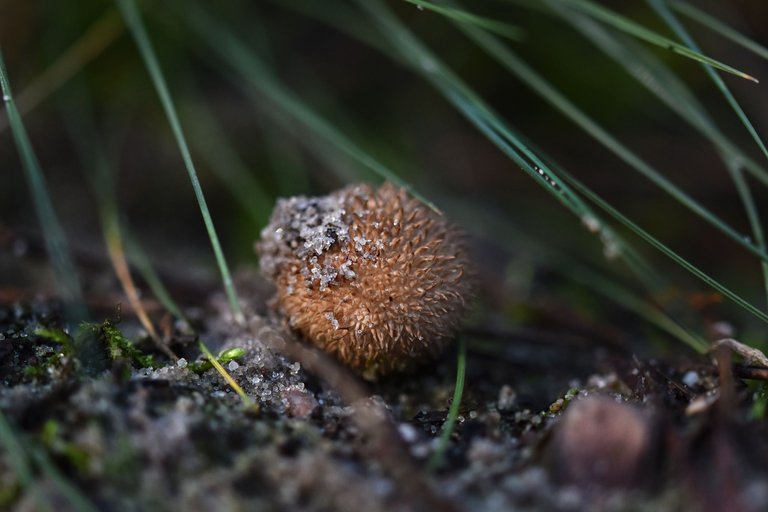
(490, 124)
(92, 43)
(79, 120)
(225, 163)
(253, 69)
(735, 170)
(719, 27)
(630, 27)
(648, 70)
(498, 27)
(436, 459)
(17, 459)
(53, 234)
(742, 187)
(138, 31)
(654, 75)
(558, 260)
(139, 258)
(683, 34)
(17, 451)
(653, 241)
(542, 87)
(70, 493)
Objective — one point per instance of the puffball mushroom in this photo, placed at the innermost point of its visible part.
(374, 277)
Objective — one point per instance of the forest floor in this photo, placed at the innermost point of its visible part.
(547, 422)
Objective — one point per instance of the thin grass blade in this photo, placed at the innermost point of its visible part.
(734, 168)
(542, 87)
(133, 20)
(656, 243)
(719, 27)
(665, 85)
(17, 459)
(139, 258)
(661, 8)
(55, 242)
(498, 27)
(92, 43)
(635, 29)
(436, 459)
(653, 74)
(225, 163)
(247, 63)
(70, 493)
(497, 131)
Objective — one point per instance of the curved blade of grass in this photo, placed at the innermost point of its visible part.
(436, 459)
(225, 163)
(251, 67)
(648, 70)
(79, 121)
(628, 26)
(542, 87)
(683, 34)
(19, 463)
(92, 43)
(498, 27)
(17, 450)
(138, 31)
(734, 169)
(490, 227)
(656, 243)
(742, 187)
(55, 243)
(475, 109)
(719, 27)
(70, 493)
(497, 131)
(139, 258)
(654, 75)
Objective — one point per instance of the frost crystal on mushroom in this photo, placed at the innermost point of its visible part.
(372, 276)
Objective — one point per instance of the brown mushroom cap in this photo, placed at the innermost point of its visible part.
(372, 276)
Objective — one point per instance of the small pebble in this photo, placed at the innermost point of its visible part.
(507, 398)
(600, 442)
(408, 432)
(691, 378)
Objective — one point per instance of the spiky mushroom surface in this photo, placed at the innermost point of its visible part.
(372, 276)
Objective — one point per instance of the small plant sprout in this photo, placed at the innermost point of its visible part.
(373, 277)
